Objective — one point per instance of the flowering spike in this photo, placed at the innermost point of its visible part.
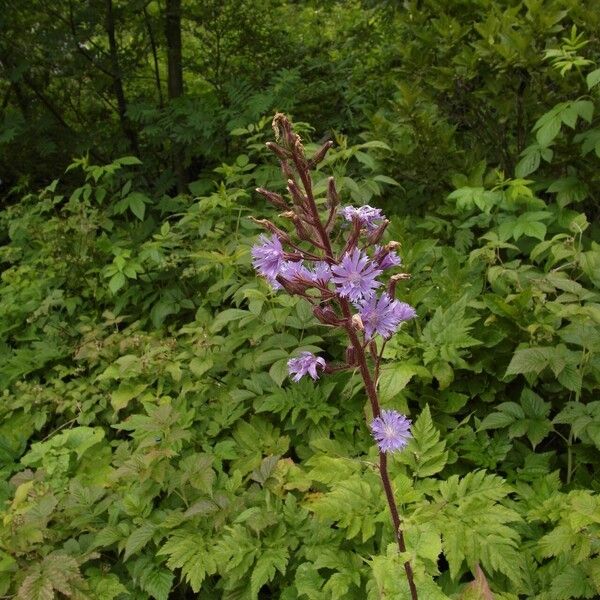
(391, 431)
(297, 195)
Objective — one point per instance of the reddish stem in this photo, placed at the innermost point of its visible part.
(361, 360)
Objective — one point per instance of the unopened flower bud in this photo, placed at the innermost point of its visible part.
(286, 170)
(353, 238)
(326, 315)
(297, 195)
(350, 355)
(275, 199)
(320, 154)
(378, 233)
(283, 129)
(357, 322)
(298, 148)
(282, 235)
(333, 198)
(291, 287)
(278, 150)
(394, 279)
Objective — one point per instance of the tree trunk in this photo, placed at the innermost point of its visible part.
(175, 79)
(118, 80)
(154, 57)
(173, 36)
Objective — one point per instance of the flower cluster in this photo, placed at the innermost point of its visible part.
(343, 288)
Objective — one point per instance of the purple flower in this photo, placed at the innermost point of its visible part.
(404, 311)
(295, 271)
(367, 215)
(383, 315)
(321, 273)
(391, 431)
(386, 259)
(355, 277)
(305, 364)
(268, 258)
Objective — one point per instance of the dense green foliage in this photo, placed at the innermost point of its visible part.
(151, 445)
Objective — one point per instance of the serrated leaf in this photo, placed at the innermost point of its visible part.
(139, 538)
(528, 360)
(128, 160)
(425, 454)
(126, 392)
(394, 378)
(188, 551)
(270, 561)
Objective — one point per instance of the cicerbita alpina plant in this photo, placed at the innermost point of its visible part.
(343, 286)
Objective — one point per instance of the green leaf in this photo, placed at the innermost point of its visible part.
(585, 109)
(139, 538)
(593, 78)
(126, 392)
(270, 561)
(104, 586)
(128, 160)
(162, 309)
(394, 378)
(137, 204)
(187, 550)
(227, 316)
(158, 583)
(528, 164)
(548, 131)
(117, 281)
(529, 360)
(425, 454)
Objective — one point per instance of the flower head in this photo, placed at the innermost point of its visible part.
(404, 311)
(268, 258)
(321, 273)
(367, 215)
(355, 276)
(391, 430)
(383, 315)
(295, 271)
(305, 364)
(386, 258)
